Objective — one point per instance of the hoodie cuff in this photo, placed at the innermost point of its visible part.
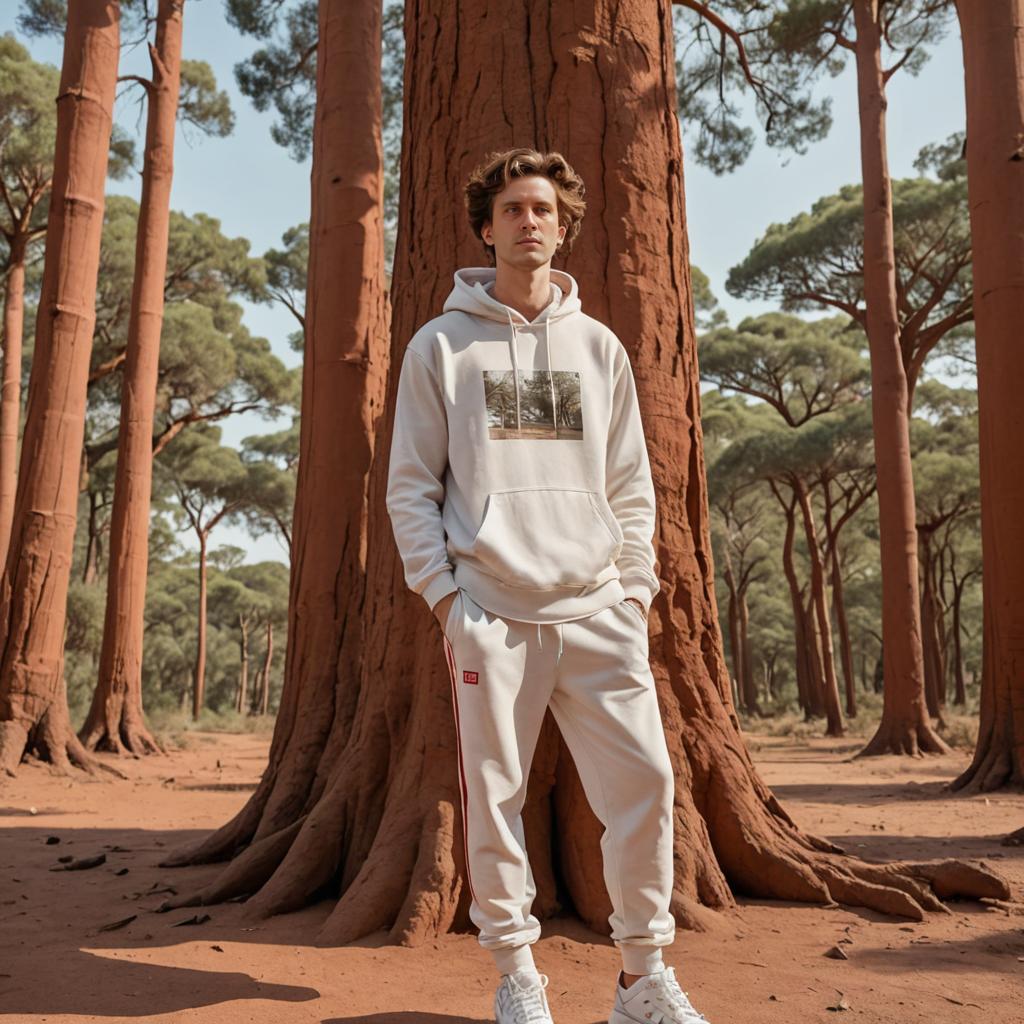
(440, 586)
(640, 588)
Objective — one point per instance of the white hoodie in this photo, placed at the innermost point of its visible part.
(536, 522)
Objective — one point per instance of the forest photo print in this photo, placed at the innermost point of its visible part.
(303, 540)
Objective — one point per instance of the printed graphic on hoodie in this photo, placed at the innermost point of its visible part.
(544, 406)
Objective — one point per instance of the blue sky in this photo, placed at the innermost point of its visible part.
(258, 191)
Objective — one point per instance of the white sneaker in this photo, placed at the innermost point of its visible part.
(521, 1000)
(657, 999)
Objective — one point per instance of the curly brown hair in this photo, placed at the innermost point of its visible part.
(498, 169)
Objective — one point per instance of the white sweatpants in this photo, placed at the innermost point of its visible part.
(595, 675)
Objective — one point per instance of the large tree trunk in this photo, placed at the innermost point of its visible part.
(833, 714)
(344, 372)
(33, 592)
(993, 43)
(116, 721)
(904, 728)
(386, 833)
(10, 387)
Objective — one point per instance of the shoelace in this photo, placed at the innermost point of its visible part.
(673, 998)
(529, 1004)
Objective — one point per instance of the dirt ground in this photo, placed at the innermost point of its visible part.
(763, 964)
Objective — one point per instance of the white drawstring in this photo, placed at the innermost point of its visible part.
(514, 348)
(540, 642)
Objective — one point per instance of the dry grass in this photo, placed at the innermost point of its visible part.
(961, 729)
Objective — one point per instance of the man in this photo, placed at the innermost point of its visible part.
(522, 504)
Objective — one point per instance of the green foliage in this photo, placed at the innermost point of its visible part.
(201, 103)
(800, 368)
(735, 55)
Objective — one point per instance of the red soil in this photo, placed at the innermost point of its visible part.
(763, 964)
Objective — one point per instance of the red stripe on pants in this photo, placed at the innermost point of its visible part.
(463, 792)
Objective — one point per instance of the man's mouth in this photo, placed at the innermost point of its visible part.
(527, 241)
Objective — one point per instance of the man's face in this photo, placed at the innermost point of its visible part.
(525, 209)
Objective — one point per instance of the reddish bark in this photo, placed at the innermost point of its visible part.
(993, 45)
(116, 721)
(833, 714)
(839, 607)
(385, 833)
(33, 592)
(845, 496)
(22, 202)
(904, 728)
(10, 387)
(265, 673)
(347, 323)
(934, 657)
(243, 671)
(808, 680)
(739, 642)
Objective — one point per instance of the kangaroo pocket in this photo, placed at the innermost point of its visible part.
(546, 537)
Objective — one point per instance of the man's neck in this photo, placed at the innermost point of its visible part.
(526, 291)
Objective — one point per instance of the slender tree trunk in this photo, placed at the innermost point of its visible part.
(33, 592)
(839, 606)
(90, 566)
(243, 670)
(10, 387)
(749, 685)
(116, 721)
(265, 677)
(933, 666)
(993, 44)
(904, 728)
(833, 714)
(734, 631)
(960, 694)
(879, 676)
(816, 666)
(386, 834)
(845, 649)
(199, 671)
(808, 691)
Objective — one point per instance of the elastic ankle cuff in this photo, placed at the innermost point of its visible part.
(641, 959)
(514, 958)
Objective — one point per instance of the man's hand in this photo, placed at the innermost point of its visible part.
(442, 608)
(637, 602)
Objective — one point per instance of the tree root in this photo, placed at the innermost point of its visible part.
(1014, 838)
(243, 875)
(50, 742)
(904, 739)
(907, 889)
(231, 837)
(990, 769)
(132, 740)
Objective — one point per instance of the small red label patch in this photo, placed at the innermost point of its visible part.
(471, 677)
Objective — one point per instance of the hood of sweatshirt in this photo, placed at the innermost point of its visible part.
(472, 294)
(518, 470)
